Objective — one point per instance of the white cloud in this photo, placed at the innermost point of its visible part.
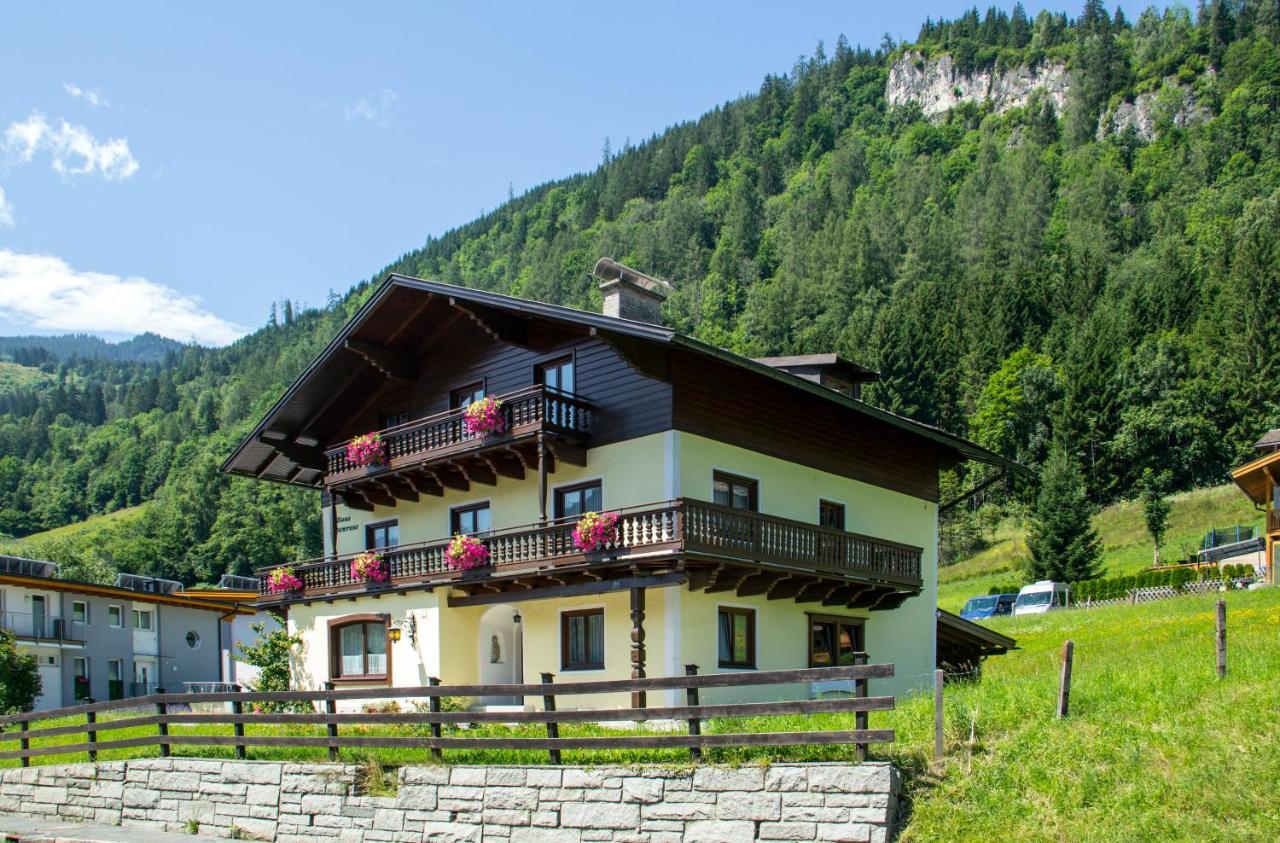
(6, 211)
(47, 294)
(93, 96)
(73, 150)
(374, 108)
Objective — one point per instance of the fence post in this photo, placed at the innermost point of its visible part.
(330, 726)
(860, 717)
(91, 718)
(237, 708)
(1222, 639)
(549, 704)
(25, 743)
(162, 710)
(938, 678)
(433, 704)
(695, 723)
(1064, 685)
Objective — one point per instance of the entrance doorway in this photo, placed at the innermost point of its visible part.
(501, 653)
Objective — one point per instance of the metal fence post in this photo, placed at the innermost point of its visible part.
(237, 708)
(549, 704)
(433, 703)
(695, 723)
(91, 719)
(331, 726)
(860, 717)
(162, 710)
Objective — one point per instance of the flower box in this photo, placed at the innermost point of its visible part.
(595, 530)
(367, 450)
(283, 580)
(466, 552)
(370, 567)
(485, 417)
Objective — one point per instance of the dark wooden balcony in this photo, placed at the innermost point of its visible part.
(1273, 520)
(431, 454)
(714, 547)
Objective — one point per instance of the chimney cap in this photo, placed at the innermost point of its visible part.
(609, 271)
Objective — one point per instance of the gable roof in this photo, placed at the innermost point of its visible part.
(267, 444)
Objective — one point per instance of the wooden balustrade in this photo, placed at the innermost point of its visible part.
(280, 729)
(526, 411)
(1273, 520)
(686, 525)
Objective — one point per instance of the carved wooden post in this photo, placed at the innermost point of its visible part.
(549, 704)
(331, 726)
(542, 480)
(91, 718)
(695, 723)
(638, 698)
(162, 711)
(237, 708)
(433, 704)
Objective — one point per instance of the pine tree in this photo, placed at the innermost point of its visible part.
(1064, 545)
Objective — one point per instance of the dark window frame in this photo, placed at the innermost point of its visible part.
(565, 618)
(557, 499)
(539, 370)
(454, 512)
(825, 506)
(752, 484)
(335, 647)
(470, 388)
(370, 529)
(750, 614)
(856, 624)
(388, 420)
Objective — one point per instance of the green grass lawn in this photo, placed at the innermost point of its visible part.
(1156, 747)
(84, 529)
(1126, 546)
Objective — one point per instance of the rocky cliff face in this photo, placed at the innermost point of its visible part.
(938, 85)
(1173, 104)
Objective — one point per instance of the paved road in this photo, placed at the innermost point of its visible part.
(24, 830)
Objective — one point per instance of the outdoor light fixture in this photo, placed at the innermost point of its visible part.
(393, 632)
(515, 618)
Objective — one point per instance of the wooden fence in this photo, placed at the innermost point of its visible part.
(165, 714)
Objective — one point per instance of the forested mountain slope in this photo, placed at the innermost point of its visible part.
(1022, 277)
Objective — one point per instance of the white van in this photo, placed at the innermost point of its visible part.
(1041, 597)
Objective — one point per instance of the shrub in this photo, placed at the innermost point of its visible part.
(19, 676)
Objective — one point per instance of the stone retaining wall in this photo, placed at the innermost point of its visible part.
(310, 803)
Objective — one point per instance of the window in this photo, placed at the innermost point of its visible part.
(834, 641)
(831, 514)
(736, 492)
(582, 640)
(80, 672)
(115, 679)
(573, 501)
(142, 619)
(359, 648)
(79, 611)
(470, 520)
(466, 395)
(115, 616)
(386, 420)
(737, 637)
(382, 534)
(193, 640)
(557, 375)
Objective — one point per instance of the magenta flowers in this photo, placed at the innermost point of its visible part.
(485, 416)
(594, 530)
(369, 566)
(282, 580)
(366, 450)
(466, 552)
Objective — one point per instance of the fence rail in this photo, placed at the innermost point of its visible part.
(18, 727)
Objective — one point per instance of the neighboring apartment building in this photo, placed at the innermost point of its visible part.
(768, 519)
(109, 642)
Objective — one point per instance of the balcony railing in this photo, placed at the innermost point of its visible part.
(1273, 520)
(684, 526)
(527, 411)
(43, 627)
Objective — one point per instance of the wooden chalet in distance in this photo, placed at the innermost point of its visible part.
(1260, 481)
(766, 517)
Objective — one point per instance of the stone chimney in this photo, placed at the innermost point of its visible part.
(629, 294)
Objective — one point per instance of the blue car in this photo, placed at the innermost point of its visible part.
(989, 606)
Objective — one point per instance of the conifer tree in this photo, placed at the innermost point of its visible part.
(1064, 545)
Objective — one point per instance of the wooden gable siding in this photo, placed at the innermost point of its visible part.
(729, 404)
(626, 403)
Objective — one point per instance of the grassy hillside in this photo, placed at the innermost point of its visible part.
(1156, 748)
(15, 376)
(1126, 546)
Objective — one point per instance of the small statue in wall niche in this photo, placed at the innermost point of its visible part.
(495, 649)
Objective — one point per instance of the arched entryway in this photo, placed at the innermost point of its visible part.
(501, 651)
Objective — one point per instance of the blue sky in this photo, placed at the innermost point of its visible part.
(175, 167)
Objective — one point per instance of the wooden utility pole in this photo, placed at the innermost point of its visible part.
(1064, 684)
(938, 677)
(1222, 639)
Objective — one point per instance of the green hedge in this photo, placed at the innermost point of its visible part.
(1107, 589)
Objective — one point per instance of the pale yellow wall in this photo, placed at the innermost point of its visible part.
(905, 636)
(631, 474)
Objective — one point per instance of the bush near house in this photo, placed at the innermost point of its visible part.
(19, 676)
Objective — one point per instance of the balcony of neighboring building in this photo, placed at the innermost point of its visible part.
(43, 629)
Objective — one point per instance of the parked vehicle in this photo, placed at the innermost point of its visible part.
(1041, 597)
(988, 606)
